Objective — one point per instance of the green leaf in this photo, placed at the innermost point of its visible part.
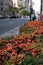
(30, 64)
(41, 61)
(41, 38)
(27, 60)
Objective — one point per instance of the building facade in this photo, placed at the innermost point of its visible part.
(4, 5)
(25, 3)
(20, 3)
(15, 3)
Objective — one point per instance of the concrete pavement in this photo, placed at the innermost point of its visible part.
(9, 24)
(10, 33)
(10, 27)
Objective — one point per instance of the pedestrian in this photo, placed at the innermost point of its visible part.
(41, 17)
(31, 12)
(34, 17)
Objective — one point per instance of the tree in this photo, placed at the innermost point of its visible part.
(12, 9)
(25, 12)
(16, 9)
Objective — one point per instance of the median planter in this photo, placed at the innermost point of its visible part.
(24, 49)
(31, 27)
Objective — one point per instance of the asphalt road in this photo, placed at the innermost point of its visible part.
(9, 24)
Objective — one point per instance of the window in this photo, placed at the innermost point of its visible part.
(1, 8)
(1, 3)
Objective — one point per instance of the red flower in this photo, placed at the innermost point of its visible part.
(20, 45)
(33, 53)
(28, 40)
(41, 27)
(8, 45)
(0, 52)
(9, 48)
(15, 36)
(4, 41)
(26, 45)
(14, 52)
(0, 63)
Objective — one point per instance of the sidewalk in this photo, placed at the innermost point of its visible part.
(10, 33)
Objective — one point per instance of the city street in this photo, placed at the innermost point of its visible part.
(9, 24)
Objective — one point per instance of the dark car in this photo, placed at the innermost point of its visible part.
(13, 16)
(1, 17)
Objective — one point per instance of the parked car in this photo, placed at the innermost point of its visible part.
(1, 17)
(13, 16)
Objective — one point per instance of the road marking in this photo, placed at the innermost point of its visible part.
(11, 22)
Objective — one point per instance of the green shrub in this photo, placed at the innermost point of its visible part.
(25, 12)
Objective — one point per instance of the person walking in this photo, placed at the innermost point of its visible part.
(34, 17)
(32, 14)
(41, 17)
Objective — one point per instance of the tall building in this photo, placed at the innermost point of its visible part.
(15, 3)
(27, 5)
(24, 3)
(20, 3)
(4, 5)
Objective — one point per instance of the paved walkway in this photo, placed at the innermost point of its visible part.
(12, 32)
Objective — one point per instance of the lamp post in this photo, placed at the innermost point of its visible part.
(30, 8)
(41, 7)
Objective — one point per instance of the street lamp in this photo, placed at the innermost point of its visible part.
(30, 9)
(41, 7)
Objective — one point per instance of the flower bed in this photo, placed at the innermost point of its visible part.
(25, 49)
(30, 27)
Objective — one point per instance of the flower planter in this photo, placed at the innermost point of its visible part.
(26, 49)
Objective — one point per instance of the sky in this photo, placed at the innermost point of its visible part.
(36, 5)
